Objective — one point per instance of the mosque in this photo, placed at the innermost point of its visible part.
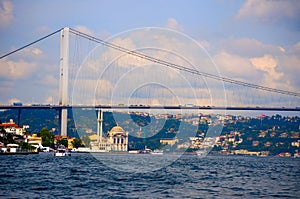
(116, 139)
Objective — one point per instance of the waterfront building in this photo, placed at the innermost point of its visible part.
(117, 140)
(34, 140)
(296, 143)
(59, 138)
(185, 145)
(13, 128)
(168, 141)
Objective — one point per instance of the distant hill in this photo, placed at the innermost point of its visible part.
(140, 132)
(275, 134)
(36, 119)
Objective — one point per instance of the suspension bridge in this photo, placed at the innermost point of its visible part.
(116, 75)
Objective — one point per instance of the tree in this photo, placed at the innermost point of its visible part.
(25, 145)
(63, 142)
(47, 137)
(6, 138)
(76, 143)
(86, 140)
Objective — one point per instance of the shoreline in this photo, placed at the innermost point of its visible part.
(19, 153)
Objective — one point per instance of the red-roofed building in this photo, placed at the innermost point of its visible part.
(12, 127)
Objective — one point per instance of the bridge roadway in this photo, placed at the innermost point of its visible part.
(145, 107)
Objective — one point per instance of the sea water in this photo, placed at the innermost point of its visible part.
(187, 176)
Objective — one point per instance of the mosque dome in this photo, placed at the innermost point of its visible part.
(117, 129)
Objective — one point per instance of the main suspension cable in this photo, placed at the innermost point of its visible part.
(36, 41)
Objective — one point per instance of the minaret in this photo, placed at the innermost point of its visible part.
(99, 126)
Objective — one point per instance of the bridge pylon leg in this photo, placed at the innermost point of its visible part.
(63, 122)
(63, 79)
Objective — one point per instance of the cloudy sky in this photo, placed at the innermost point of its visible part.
(254, 41)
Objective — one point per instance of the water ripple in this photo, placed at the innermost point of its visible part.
(83, 176)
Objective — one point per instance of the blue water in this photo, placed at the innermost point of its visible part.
(84, 176)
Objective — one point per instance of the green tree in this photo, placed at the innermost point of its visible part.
(62, 142)
(25, 145)
(47, 137)
(86, 140)
(6, 138)
(76, 143)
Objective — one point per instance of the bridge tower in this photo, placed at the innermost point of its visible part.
(63, 79)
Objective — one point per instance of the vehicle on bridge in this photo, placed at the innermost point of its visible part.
(17, 104)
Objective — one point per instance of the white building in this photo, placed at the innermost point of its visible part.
(116, 140)
(13, 128)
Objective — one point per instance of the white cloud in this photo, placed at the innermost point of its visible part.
(49, 80)
(290, 66)
(6, 87)
(16, 69)
(120, 58)
(12, 100)
(235, 66)
(85, 30)
(249, 47)
(29, 54)
(256, 62)
(49, 100)
(271, 11)
(37, 51)
(43, 30)
(277, 69)
(281, 49)
(173, 24)
(6, 12)
(204, 44)
(268, 64)
(21, 66)
(296, 48)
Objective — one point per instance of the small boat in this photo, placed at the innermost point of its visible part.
(157, 152)
(201, 153)
(146, 151)
(61, 151)
(12, 148)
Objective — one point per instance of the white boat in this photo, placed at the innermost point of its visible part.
(157, 152)
(146, 150)
(12, 148)
(62, 151)
(46, 149)
(88, 150)
(134, 151)
(201, 153)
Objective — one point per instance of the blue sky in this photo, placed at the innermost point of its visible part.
(254, 41)
(196, 17)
